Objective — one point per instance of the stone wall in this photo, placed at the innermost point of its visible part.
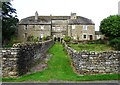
(21, 58)
(93, 62)
(24, 31)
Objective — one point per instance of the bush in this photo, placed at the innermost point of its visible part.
(67, 39)
(36, 39)
(44, 38)
(30, 38)
(12, 41)
(115, 43)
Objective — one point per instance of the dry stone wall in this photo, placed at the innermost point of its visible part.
(93, 62)
(21, 58)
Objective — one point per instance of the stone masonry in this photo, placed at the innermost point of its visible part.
(93, 62)
(19, 59)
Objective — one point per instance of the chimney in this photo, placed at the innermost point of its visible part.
(73, 16)
(36, 16)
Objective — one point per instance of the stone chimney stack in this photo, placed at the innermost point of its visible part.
(73, 16)
(119, 8)
(36, 16)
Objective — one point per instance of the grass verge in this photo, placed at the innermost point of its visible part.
(91, 47)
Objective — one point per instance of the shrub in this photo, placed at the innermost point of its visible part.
(115, 43)
(30, 38)
(67, 39)
(36, 39)
(12, 41)
(44, 38)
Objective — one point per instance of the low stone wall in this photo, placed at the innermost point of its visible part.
(93, 62)
(21, 58)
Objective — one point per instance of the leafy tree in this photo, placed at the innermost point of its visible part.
(115, 43)
(9, 22)
(110, 26)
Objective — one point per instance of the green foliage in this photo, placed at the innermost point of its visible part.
(110, 26)
(99, 41)
(30, 38)
(36, 39)
(115, 43)
(12, 41)
(44, 38)
(9, 22)
(67, 38)
(91, 47)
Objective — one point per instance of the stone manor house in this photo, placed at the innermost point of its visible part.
(77, 27)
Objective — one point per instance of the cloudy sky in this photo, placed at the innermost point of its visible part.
(92, 9)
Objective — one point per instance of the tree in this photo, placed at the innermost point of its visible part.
(9, 22)
(110, 26)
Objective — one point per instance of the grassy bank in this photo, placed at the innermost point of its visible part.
(91, 47)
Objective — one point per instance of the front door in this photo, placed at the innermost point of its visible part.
(91, 37)
(58, 39)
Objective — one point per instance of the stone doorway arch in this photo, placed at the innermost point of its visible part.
(58, 39)
(55, 38)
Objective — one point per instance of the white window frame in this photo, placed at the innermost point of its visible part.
(25, 27)
(85, 27)
(42, 27)
(73, 26)
(41, 35)
(25, 35)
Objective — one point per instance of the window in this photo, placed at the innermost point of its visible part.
(25, 27)
(33, 26)
(84, 27)
(73, 26)
(84, 36)
(25, 35)
(41, 35)
(58, 29)
(42, 27)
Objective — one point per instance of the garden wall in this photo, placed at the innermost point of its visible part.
(21, 58)
(93, 62)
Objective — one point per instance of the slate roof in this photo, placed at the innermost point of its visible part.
(47, 20)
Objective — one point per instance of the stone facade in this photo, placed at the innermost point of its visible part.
(77, 27)
(81, 32)
(93, 62)
(39, 31)
(21, 58)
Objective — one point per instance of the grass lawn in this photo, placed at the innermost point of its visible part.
(91, 47)
(59, 69)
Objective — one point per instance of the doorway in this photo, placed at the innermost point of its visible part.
(58, 39)
(54, 38)
(91, 37)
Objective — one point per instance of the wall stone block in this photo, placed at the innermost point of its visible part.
(19, 59)
(86, 62)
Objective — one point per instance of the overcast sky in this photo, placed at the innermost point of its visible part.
(92, 9)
